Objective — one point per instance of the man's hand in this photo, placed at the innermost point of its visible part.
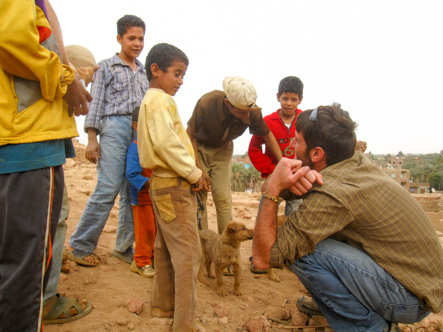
(77, 98)
(196, 187)
(206, 181)
(288, 174)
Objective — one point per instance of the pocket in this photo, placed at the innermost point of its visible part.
(165, 207)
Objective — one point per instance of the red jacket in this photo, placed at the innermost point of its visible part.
(265, 162)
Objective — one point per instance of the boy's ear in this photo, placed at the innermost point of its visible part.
(119, 39)
(278, 97)
(155, 69)
(301, 99)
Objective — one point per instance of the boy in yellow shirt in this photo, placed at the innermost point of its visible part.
(165, 148)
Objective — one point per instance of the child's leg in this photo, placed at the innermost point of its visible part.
(115, 138)
(144, 231)
(175, 210)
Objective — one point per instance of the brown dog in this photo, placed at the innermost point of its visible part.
(224, 251)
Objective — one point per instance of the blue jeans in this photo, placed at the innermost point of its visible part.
(352, 291)
(115, 137)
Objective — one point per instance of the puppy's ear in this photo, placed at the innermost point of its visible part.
(231, 227)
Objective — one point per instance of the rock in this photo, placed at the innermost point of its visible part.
(110, 229)
(87, 177)
(135, 305)
(158, 322)
(200, 328)
(223, 321)
(66, 267)
(63, 277)
(276, 312)
(254, 325)
(69, 163)
(122, 321)
(85, 192)
(247, 298)
(220, 312)
(130, 326)
(299, 318)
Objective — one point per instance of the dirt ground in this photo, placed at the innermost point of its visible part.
(111, 285)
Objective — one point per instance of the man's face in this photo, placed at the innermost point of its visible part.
(300, 150)
(132, 42)
(238, 113)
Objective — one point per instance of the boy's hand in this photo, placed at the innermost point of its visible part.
(92, 149)
(77, 98)
(196, 187)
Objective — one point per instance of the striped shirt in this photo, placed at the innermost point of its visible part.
(116, 90)
(360, 205)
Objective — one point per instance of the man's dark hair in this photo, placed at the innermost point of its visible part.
(164, 56)
(135, 114)
(291, 84)
(334, 132)
(129, 21)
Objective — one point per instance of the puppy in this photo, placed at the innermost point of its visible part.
(224, 251)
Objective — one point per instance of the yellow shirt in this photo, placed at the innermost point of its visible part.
(33, 80)
(163, 144)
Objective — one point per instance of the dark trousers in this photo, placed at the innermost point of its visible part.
(30, 204)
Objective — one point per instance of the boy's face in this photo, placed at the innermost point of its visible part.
(237, 112)
(289, 102)
(132, 42)
(169, 80)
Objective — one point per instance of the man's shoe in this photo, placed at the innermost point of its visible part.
(392, 327)
(145, 271)
(254, 269)
(160, 313)
(308, 306)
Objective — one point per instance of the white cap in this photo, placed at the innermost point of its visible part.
(240, 93)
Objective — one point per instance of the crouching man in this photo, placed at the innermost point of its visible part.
(361, 244)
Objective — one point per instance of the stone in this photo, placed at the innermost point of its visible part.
(276, 312)
(135, 305)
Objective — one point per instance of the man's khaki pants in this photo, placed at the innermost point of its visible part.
(217, 162)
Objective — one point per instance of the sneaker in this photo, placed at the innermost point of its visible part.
(308, 306)
(392, 327)
(145, 271)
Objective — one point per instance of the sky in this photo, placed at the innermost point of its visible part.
(382, 60)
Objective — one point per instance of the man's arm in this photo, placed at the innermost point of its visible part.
(287, 175)
(272, 144)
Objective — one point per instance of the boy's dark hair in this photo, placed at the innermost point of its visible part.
(291, 84)
(135, 114)
(333, 131)
(129, 21)
(164, 55)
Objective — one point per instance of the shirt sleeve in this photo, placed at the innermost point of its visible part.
(134, 169)
(92, 119)
(258, 125)
(260, 160)
(318, 217)
(21, 52)
(166, 142)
